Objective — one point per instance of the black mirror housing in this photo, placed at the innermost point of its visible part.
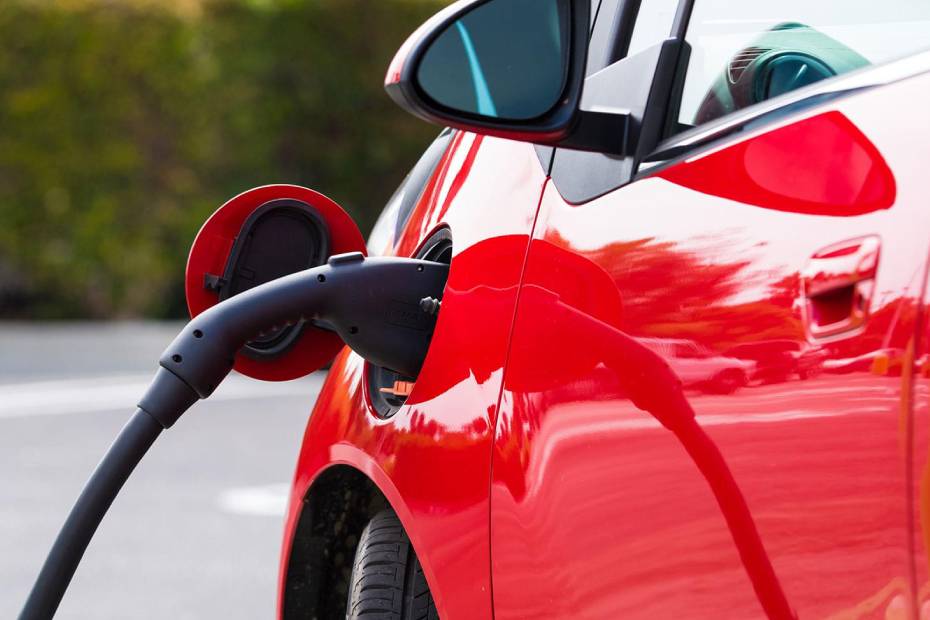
(550, 127)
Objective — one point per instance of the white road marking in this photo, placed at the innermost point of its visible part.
(268, 500)
(121, 392)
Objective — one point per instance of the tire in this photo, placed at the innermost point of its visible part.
(729, 381)
(387, 581)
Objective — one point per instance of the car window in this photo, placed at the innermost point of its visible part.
(653, 24)
(600, 48)
(747, 52)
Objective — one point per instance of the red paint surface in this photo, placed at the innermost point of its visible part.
(819, 165)
(575, 481)
(601, 509)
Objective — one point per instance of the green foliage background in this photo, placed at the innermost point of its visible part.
(124, 125)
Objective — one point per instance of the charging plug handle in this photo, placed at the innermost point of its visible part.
(372, 303)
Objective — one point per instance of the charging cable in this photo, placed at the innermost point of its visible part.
(373, 304)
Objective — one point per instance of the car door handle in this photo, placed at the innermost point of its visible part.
(837, 287)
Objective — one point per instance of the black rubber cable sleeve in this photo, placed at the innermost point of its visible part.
(111, 473)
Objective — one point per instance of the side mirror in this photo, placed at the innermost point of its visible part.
(509, 68)
(256, 237)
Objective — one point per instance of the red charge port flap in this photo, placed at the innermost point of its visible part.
(211, 251)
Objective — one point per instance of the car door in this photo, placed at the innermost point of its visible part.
(807, 224)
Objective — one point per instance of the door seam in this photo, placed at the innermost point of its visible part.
(500, 393)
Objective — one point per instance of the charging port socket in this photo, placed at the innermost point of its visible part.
(388, 390)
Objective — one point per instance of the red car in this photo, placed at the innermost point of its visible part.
(612, 172)
(781, 360)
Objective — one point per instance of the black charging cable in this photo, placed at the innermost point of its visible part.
(372, 303)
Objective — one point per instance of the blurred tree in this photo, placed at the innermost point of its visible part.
(124, 124)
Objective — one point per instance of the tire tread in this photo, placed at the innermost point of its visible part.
(387, 581)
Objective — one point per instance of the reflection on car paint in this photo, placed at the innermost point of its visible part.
(597, 513)
(822, 165)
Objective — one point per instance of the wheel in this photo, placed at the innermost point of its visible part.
(387, 581)
(728, 381)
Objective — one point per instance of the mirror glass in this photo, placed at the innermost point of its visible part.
(504, 59)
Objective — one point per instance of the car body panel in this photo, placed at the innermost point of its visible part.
(916, 391)
(699, 367)
(431, 460)
(597, 511)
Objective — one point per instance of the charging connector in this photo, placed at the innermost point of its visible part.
(372, 303)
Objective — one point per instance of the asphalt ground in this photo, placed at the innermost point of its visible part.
(197, 530)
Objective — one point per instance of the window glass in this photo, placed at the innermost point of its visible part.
(602, 35)
(653, 24)
(749, 51)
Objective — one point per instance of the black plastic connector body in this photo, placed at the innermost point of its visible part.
(167, 398)
(372, 303)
